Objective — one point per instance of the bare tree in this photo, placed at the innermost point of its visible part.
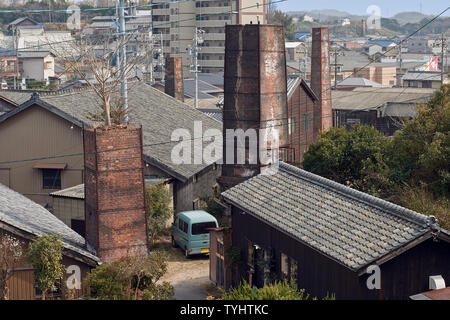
(96, 60)
(10, 254)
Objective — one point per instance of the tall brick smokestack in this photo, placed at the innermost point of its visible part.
(321, 79)
(115, 213)
(174, 78)
(363, 27)
(254, 92)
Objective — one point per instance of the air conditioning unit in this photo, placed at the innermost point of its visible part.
(436, 282)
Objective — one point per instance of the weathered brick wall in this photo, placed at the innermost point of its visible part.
(115, 199)
(300, 104)
(321, 79)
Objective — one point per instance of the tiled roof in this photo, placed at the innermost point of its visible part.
(158, 113)
(76, 192)
(370, 98)
(359, 82)
(18, 97)
(422, 75)
(21, 213)
(350, 227)
(216, 114)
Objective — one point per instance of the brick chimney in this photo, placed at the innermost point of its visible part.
(174, 78)
(363, 27)
(116, 221)
(321, 79)
(254, 92)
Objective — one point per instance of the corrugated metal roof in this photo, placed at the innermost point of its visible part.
(351, 227)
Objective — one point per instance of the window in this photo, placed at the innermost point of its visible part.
(289, 268)
(291, 126)
(51, 178)
(201, 228)
(306, 122)
(182, 225)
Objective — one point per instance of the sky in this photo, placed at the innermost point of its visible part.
(359, 7)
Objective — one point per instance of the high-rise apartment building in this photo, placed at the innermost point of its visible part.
(176, 22)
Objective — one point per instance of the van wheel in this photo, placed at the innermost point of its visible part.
(174, 244)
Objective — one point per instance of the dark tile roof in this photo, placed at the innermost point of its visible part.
(158, 113)
(23, 214)
(216, 114)
(350, 227)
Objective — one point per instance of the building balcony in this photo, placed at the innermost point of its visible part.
(212, 23)
(209, 50)
(211, 63)
(212, 10)
(214, 36)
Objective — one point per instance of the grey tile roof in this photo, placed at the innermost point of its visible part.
(216, 114)
(422, 75)
(20, 212)
(370, 98)
(350, 227)
(361, 82)
(76, 192)
(18, 97)
(215, 79)
(158, 113)
(33, 54)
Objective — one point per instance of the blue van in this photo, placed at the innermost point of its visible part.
(190, 231)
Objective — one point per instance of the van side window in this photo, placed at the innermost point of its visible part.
(183, 226)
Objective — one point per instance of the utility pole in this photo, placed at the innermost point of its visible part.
(194, 51)
(442, 58)
(123, 59)
(336, 53)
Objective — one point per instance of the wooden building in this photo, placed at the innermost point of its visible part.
(50, 124)
(331, 239)
(23, 220)
(301, 104)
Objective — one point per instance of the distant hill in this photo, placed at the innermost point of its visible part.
(409, 17)
(325, 15)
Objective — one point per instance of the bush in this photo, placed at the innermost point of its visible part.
(45, 255)
(158, 211)
(275, 291)
(131, 278)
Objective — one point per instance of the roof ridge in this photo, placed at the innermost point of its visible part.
(410, 215)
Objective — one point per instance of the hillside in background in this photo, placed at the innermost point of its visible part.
(403, 23)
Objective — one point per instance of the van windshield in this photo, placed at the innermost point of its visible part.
(200, 228)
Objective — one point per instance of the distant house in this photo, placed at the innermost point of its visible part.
(21, 22)
(24, 220)
(378, 46)
(422, 79)
(331, 239)
(295, 51)
(36, 65)
(301, 104)
(51, 125)
(8, 64)
(384, 108)
(351, 83)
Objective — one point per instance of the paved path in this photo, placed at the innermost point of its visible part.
(190, 278)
